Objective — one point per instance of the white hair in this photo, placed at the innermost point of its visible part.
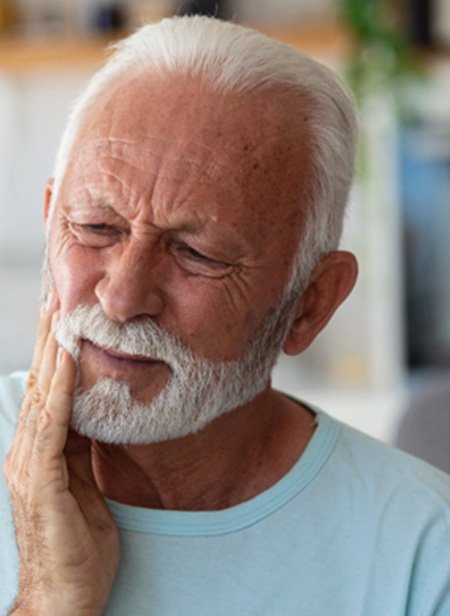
(197, 392)
(233, 58)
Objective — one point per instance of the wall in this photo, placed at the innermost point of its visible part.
(33, 108)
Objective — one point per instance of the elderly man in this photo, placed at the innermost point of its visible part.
(193, 225)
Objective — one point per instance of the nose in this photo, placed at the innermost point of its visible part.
(129, 286)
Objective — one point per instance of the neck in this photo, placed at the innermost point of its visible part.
(237, 456)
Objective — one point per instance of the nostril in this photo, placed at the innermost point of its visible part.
(126, 298)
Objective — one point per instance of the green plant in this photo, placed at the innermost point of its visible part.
(381, 56)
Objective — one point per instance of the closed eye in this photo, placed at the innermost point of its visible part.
(198, 263)
(195, 254)
(96, 235)
(101, 229)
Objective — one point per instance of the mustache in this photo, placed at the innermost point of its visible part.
(143, 337)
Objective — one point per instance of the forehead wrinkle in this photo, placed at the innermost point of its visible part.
(126, 151)
(96, 194)
(193, 223)
(104, 204)
(99, 203)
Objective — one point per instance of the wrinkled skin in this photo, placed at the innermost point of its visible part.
(199, 212)
(179, 205)
(68, 543)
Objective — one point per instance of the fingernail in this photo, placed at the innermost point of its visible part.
(50, 300)
(55, 322)
(59, 356)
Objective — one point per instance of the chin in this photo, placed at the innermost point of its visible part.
(109, 413)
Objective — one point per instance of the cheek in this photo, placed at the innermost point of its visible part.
(209, 317)
(75, 274)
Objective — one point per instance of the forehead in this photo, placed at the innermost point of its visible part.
(190, 109)
(178, 141)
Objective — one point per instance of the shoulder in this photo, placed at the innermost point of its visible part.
(386, 474)
(398, 507)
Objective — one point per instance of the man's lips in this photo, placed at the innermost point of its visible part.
(145, 376)
(121, 356)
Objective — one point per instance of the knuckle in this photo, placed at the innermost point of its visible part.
(32, 378)
(24, 486)
(14, 479)
(22, 477)
(47, 431)
(44, 421)
(36, 397)
(14, 485)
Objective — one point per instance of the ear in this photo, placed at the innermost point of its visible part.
(331, 282)
(48, 192)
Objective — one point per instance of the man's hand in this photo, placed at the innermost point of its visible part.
(67, 540)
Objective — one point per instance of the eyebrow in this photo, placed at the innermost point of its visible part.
(104, 204)
(191, 227)
(100, 203)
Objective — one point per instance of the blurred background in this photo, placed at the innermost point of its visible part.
(383, 364)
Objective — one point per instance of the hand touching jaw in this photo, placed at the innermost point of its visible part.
(139, 384)
(68, 542)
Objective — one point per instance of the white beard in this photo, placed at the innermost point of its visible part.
(198, 390)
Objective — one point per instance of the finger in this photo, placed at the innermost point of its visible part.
(19, 455)
(35, 399)
(47, 366)
(44, 328)
(25, 436)
(53, 421)
(31, 406)
(43, 367)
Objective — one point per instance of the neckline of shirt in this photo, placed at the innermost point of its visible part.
(238, 517)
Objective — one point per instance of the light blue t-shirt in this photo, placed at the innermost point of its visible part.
(354, 529)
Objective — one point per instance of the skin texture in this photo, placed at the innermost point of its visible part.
(179, 205)
(66, 536)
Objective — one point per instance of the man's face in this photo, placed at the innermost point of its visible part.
(182, 206)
